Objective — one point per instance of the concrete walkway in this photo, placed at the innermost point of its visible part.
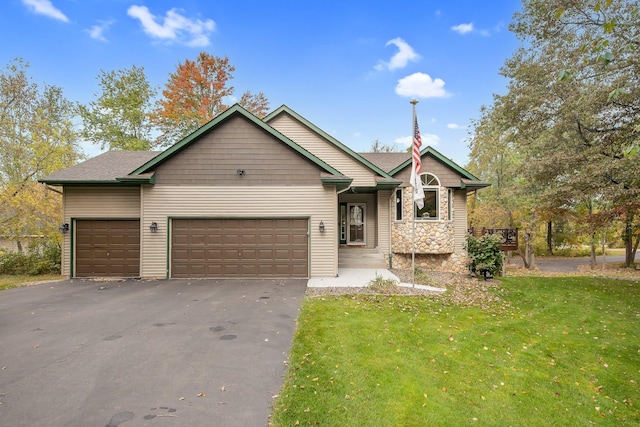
(360, 278)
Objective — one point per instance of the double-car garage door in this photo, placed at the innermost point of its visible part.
(239, 247)
(262, 247)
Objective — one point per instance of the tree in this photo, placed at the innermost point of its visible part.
(36, 139)
(380, 147)
(196, 93)
(579, 124)
(571, 112)
(119, 118)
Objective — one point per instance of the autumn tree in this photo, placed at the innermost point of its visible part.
(119, 119)
(197, 92)
(574, 97)
(572, 111)
(36, 139)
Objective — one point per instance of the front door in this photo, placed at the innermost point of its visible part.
(356, 229)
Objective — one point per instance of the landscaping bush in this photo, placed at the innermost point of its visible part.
(484, 254)
(383, 286)
(39, 259)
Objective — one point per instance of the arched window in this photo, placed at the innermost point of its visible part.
(431, 208)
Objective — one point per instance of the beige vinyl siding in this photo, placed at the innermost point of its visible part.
(448, 177)
(384, 220)
(237, 144)
(96, 203)
(460, 219)
(312, 142)
(317, 203)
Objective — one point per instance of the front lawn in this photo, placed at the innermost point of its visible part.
(16, 281)
(554, 351)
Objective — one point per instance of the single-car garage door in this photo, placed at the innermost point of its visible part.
(107, 248)
(239, 247)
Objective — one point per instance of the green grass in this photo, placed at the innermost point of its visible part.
(557, 351)
(10, 281)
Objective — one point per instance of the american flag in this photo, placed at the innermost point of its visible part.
(416, 169)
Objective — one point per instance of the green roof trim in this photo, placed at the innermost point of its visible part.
(323, 134)
(217, 120)
(340, 182)
(478, 184)
(89, 182)
(138, 179)
(387, 185)
(441, 158)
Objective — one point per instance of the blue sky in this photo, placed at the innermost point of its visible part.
(350, 67)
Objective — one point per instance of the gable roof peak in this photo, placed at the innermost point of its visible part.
(285, 109)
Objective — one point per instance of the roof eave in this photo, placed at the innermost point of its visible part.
(87, 182)
(341, 183)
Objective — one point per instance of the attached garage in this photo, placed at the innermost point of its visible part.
(223, 247)
(107, 248)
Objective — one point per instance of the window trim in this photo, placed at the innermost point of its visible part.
(432, 188)
(450, 195)
(399, 204)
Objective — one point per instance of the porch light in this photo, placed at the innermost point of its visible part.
(64, 228)
(321, 227)
(153, 227)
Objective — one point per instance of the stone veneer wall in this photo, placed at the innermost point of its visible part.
(434, 240)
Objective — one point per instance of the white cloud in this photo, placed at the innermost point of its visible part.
(421, 85)
(97, 31)
(401, 58)
(463, 28)
(174, 26)
(46, 8)
(453, 126)
(428, 139)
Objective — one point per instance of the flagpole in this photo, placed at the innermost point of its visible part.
(413, 199)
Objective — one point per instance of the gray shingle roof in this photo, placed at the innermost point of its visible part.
(105, 167)
(386, 161)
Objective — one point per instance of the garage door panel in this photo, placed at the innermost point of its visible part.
(240, 248)
(107, 248)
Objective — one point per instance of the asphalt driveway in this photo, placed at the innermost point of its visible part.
(145, 353)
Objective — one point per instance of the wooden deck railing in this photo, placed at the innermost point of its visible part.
(509, 236)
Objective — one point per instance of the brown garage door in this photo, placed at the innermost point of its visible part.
(239, 248)
(107, 248)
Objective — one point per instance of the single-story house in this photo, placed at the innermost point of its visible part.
(250, 197)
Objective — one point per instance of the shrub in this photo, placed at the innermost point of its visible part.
(383, 286)
(484, 254)
(39, 259)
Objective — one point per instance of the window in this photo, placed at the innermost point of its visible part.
(399, 204)
(431, 208)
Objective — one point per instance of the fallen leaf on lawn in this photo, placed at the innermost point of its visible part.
(307, 410)
(425, 395)
(202, 394)
(450, 337)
